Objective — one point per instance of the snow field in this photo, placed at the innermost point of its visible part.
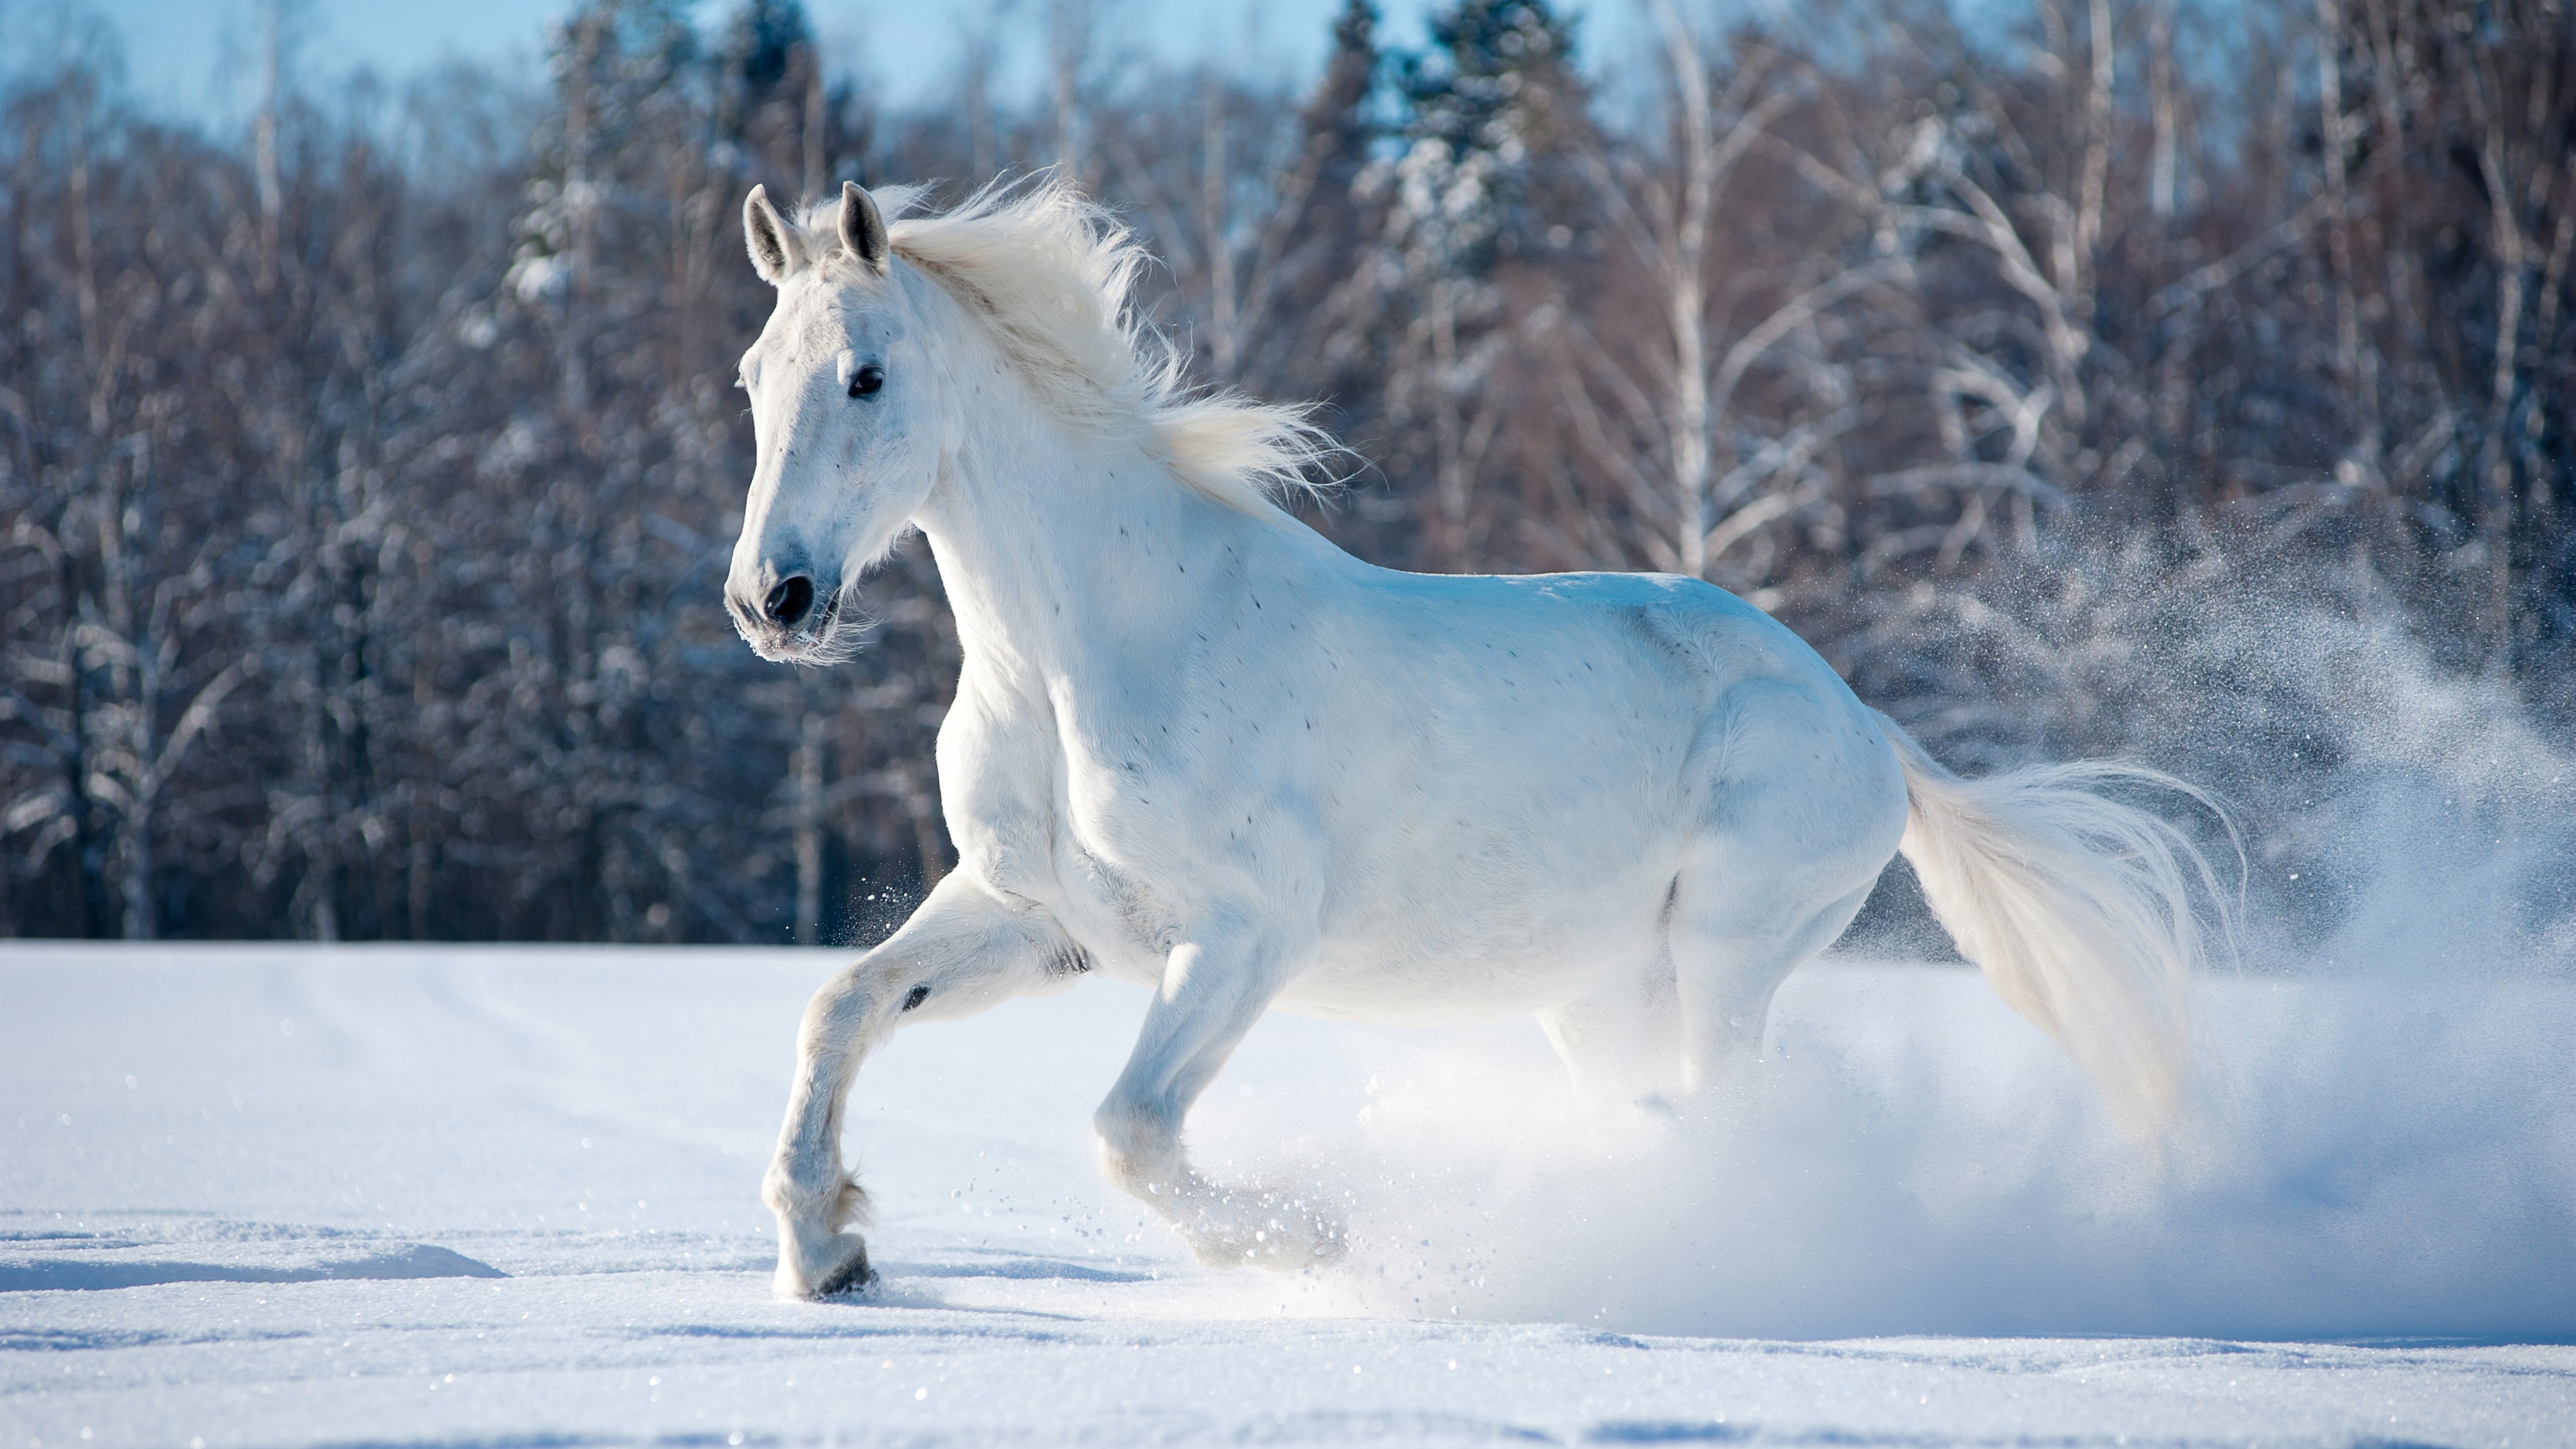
(248, 1194)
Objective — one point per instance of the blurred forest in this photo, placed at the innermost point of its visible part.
(368, 475)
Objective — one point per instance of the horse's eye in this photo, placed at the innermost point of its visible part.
(866, 380)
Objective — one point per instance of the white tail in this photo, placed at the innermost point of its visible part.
(2078, 908)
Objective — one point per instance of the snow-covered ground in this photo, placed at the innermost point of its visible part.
(280, 1195)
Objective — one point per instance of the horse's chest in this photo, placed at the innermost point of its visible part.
(1076, 836)
(1119, 852)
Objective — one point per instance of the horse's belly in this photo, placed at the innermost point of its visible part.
(1461, 989)
(1465, 955)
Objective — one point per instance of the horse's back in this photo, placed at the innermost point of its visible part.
(1530, 763)
(1790, 787)
(1550, 668)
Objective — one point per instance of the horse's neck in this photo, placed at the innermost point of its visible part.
(1066, 558)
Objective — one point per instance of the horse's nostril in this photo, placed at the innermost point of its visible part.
(788, 602)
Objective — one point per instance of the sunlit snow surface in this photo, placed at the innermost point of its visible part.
(276, 1195)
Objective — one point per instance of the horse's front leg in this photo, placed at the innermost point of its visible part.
(965, 949)
(1213, 990)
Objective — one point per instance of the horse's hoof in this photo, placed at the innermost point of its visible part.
(1331, 1242)
(855, 1277)
(1322, 1250)
(1288, 1243)
(842, 1268)
(1276, 1254)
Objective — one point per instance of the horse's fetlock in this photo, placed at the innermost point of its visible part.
(790, 1198)
(778, 1191)
(851, 1207)
(1136, 1146)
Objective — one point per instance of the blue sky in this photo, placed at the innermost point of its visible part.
(197, 56)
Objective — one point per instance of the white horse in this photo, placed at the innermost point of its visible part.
(1197, 747)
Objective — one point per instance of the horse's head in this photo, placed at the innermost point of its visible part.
(840, 417)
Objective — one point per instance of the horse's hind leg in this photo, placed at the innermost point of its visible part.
(1622, 1043)
(1806, 815)
(1729, 957)
(1214, 989)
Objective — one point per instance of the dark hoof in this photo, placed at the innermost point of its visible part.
(855, 1276)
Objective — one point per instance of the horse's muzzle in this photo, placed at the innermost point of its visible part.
(793, 621)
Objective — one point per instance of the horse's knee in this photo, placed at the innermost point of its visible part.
(836, 1015)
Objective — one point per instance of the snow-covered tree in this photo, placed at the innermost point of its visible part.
(1487, 107)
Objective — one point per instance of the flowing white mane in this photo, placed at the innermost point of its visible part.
(1052, 277)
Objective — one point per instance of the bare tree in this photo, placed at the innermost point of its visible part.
(382, 602)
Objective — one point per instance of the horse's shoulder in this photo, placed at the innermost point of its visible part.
(995, 785)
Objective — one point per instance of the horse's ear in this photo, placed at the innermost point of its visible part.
(863, 228)
(774, 252)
